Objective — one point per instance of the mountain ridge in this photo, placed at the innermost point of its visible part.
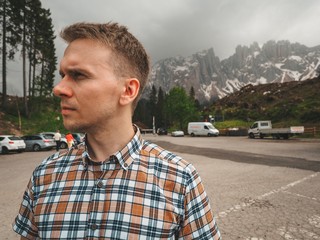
(213, 79)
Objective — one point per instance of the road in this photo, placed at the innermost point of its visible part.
(259, 189)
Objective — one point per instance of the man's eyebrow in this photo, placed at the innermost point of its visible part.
(72, 71)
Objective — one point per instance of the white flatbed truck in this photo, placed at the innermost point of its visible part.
(263, 129)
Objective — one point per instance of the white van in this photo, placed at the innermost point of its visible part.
(202, 129)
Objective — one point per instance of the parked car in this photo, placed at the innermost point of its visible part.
(162, 131)
(177, 133)
(63, 142)
(39, 142)
(79, 137)
(11, 143)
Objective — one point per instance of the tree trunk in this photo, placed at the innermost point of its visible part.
(24, 77)
(41, 79)
(4, 58)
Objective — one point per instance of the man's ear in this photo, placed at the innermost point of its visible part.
(130, 91)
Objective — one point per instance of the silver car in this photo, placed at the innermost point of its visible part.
(63, 141)
(10, 143)
(39, 142)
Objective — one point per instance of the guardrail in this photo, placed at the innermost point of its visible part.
(311, 131)
(146, 130)
(233, 132)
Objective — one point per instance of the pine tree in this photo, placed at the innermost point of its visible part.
(27, 27)
(179, 108)
(193, 98)
(152, 105)
(160, 109)
(11, 38)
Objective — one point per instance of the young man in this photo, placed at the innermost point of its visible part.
(57, 139)
(115, 185)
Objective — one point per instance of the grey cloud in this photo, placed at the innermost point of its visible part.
(183, 27)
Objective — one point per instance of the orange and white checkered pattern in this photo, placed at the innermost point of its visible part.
(141, 192)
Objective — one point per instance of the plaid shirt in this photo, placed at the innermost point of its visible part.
(141, 192)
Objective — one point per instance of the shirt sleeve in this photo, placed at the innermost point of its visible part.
(198, 222)
(24, 223)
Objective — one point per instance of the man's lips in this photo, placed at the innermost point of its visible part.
(66, 110)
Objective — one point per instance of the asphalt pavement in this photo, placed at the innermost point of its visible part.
(259, 189)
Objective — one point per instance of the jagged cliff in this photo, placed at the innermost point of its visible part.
(211, 78)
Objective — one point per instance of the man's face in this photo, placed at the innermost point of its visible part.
(89, 90)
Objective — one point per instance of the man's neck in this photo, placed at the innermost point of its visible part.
(102, 144)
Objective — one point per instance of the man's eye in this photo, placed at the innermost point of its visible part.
(77, 75)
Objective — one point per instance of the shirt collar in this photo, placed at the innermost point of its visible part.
(125, 156)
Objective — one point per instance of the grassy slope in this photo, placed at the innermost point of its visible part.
(291, 103)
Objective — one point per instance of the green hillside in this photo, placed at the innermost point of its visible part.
(284, 103)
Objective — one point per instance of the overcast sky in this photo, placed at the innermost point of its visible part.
(183, 27)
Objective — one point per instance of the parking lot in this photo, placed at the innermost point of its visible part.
(258, 188)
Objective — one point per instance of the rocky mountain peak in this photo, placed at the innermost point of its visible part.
(211, 78)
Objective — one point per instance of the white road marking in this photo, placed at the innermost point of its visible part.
(315, 221)
(286, 233)
(250, 202)
(302, 196)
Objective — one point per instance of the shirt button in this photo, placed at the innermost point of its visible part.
(100, 184)
(94, 227)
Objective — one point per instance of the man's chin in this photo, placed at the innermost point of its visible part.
(72, 127)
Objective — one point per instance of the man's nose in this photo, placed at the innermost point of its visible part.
(62, 89)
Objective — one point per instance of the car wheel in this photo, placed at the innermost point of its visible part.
(5, 150)
(285, 136)
(36, 148)
(192, 135)
(251, 135)
(63, 145)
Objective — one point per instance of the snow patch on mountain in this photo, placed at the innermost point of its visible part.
(211, 78)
